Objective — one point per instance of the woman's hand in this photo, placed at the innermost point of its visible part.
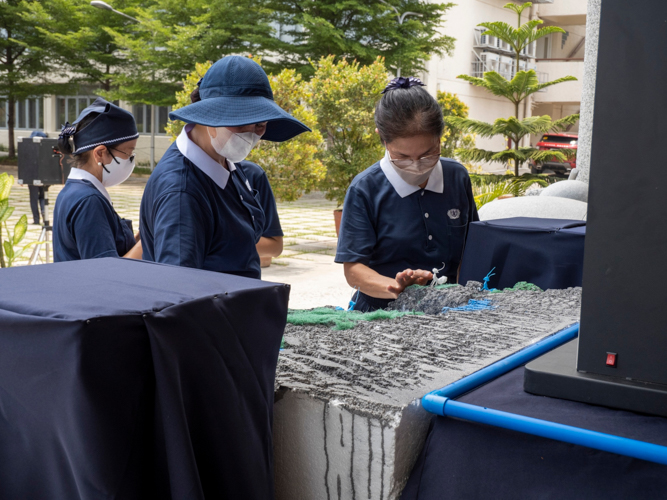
(409, 277)
(371, 283)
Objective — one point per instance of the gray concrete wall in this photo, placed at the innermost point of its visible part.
(588, 91)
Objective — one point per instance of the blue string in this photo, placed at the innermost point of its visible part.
(473, 305)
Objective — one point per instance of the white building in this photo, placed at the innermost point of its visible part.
(552, 57)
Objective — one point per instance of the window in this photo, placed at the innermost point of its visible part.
(142, 115)
(560, 139)
(69, 107)
(28, 113)
(20, 114)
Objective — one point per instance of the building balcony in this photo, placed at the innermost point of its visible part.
(564, 12)
(563, 92)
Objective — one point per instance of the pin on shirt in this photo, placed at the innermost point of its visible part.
(454, 213)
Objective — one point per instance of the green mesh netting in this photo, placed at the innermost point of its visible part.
(340, 320)
(524, 285)
(520, 286)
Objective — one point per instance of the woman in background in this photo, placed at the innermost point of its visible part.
(100, 147)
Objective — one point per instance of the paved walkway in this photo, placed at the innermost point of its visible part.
(306, 263)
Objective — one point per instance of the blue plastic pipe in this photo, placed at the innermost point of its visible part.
(439, 402)
(432, 401)
(559, 432)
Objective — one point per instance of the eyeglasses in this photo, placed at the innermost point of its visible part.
(131, 158)
(421, 163)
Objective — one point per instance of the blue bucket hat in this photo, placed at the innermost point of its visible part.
(234, 92)
(113, 125)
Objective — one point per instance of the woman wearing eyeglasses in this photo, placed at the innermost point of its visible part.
(99, 146)
(408, 213)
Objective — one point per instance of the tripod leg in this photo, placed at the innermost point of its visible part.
(38, 247)
(42, 205)
(35, 202)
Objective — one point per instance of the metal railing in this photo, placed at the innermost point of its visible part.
(504, 69)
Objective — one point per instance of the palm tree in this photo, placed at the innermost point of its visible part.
(524, 84)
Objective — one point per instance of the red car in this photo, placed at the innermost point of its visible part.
(556, 141)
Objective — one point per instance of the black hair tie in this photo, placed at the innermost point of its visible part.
(403, 83)
(66, 137)
(67, 130)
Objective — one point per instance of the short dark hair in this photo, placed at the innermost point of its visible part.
(408, 112)
(194, 95)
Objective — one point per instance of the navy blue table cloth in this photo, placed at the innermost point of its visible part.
(132, 380)
(467, 460)
(546, 252)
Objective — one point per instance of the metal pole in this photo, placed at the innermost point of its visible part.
(152, 137)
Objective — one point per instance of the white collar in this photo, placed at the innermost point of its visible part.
(202, 160)
(79, 174)
(435, 181)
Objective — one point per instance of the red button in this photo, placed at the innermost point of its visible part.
(611, 359)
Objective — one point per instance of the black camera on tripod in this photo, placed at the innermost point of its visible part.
(40, 162)
(40, 165)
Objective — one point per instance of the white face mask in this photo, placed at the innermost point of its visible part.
(117, 171)
(233, 146)
(414, 174)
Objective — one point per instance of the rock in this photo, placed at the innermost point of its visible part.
(544, 207)
(574, 190)
(432, 300)
(347, 417)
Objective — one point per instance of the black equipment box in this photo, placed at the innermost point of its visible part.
(620, 357)
(40, 162)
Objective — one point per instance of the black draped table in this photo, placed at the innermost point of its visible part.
(546, 252)
(466, 460)
(130, 380)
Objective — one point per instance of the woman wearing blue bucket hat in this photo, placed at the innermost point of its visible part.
(199, 208)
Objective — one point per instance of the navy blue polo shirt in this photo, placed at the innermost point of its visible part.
(85, 225)
(195, 213)
(264, 194)
(391, 226)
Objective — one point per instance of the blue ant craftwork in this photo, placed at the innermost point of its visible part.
(487, 279)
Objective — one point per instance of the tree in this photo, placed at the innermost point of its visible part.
(343, 97)
(25, 61)
(453, 138)
(173, 35)
(292, 167)
(75, 34)
(359, 30)
(524, 84)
